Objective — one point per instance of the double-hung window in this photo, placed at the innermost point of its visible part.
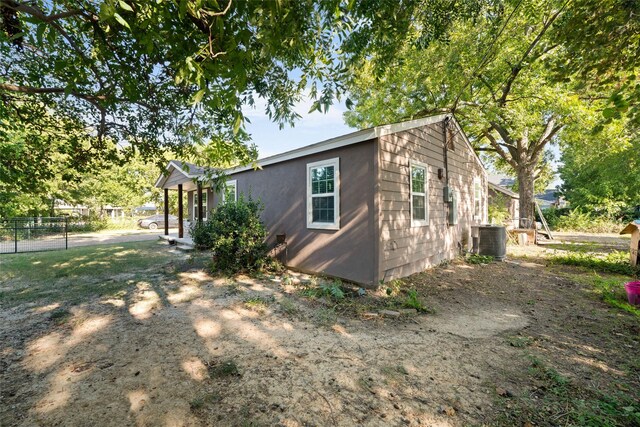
(323, 194)
(419, 194)
(477, 199)
(204, 205)
(230, 191)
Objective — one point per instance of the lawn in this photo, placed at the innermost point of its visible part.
(136, 334)
(77, 274)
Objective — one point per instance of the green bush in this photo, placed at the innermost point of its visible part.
(236, 235)
(576, 220)
(202, 234)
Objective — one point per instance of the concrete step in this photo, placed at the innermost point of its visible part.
(185, 248)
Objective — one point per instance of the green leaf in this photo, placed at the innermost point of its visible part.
(121, 20)
(608, 113)
(236, 124)
(125, 5)
(198, 96)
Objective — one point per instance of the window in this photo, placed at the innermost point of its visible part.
(419, 182)
(204, 205)
(477, 199)
(230, 191)
(323, 194)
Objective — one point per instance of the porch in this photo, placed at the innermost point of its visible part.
(182, 177)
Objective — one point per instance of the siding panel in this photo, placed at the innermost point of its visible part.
(403, 249)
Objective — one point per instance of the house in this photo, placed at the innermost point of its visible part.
(550, 198)
(504, 198)
(369, 206)
(63, 208)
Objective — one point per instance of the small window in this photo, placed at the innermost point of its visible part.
(204, 205)
(323, 194)
(477, 199)
(419, 185)
(230, 191)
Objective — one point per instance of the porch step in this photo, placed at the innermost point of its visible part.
(185, 248)
(170, 240)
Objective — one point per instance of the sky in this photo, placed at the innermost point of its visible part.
(311, 128)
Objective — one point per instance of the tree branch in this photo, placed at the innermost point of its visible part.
(37, 13)
(495, 145)
(515, 69)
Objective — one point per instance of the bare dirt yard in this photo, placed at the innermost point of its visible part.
(134, 334)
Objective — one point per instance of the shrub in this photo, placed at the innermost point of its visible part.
(577, 220)
(236, 235)
(202, 234)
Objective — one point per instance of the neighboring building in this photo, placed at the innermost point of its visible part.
(114, 212)
(551, 199)
(146, 209)
(505, 199)
(63, 208)
(368, 207)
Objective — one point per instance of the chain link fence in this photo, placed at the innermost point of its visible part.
(33, 234)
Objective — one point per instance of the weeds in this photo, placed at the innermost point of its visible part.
(227, 368)
(555, 398)
(258, 302)
(198, 403)
(479, 259)
(60, 316)
(332, 290)
(325, 316)
(519, 341)
(288, 306)
(413, 301)
(394, 286)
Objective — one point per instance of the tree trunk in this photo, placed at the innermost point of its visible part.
(527, 195)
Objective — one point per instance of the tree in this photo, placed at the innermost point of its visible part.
(112, 78)
(601, 170)
(492, 72)
(600, 53)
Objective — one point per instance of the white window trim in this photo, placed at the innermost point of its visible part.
(478, 183)
(419, 222)
(233, 182)
(205, 211)
(335, 162)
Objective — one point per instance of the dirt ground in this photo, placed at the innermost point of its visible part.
(183, 348)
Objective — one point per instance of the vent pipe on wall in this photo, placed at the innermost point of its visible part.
(448, 193)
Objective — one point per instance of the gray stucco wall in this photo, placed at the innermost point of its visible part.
(349, 252)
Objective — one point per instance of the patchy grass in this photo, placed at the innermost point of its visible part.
(288, 306)
(579, 247)
(258, 302)
(610, 289)
(224, 369)
(199, 402)
(60, 316)
(556, 400)
(615, 262)
(519, 341)
(77, 274)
